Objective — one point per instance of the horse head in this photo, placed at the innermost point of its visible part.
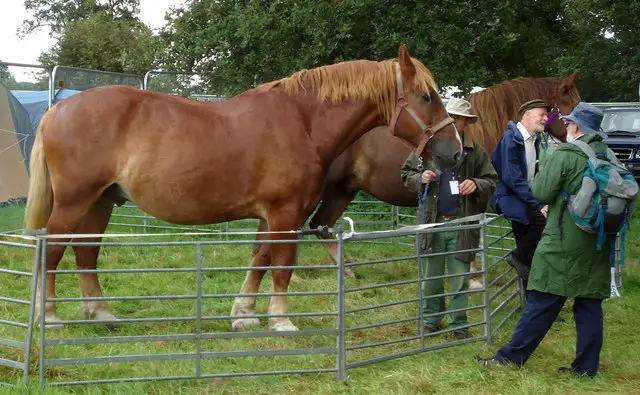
(425, 123)
(565, 99)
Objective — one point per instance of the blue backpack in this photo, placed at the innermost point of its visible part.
(606, 198)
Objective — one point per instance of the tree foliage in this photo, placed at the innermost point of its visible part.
(9, 80)
(236, 43)
(57, 14)
(604, 48)
(95, 34)
(100, 42)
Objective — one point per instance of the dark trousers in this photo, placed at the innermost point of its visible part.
(537, 317)
(528, 236)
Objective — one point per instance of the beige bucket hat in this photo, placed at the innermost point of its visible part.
(461, 107)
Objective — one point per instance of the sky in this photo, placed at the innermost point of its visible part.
(27, 49)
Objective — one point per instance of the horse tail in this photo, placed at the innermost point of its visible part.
(40, 196)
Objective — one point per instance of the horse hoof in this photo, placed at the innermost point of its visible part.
(475, 284)
(104, 315)
(295, 277)
(51, 322)
(349, 273)
(282, 326)
(244, 324)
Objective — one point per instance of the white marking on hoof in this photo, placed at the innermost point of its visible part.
(51, 321)
(244, 324)
(475, 284)
(349, 273)
(102, 314)
(282, 326)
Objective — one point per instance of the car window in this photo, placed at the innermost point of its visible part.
(621, 120)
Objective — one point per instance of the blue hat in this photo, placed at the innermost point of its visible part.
(586, 116)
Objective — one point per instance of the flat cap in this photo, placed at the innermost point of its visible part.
(536, 103)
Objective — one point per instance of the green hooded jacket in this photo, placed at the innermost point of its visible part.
(569, 266)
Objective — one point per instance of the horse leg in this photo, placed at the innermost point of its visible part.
(282, 255)
(63, 219)
(335, 201)
(246, 305)
(95, 222)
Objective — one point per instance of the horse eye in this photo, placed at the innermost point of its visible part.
(426, 98)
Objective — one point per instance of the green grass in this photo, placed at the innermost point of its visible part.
(449, 370)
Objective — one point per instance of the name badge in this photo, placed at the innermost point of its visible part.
(454, 187)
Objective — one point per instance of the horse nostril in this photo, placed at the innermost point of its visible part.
(456, 156)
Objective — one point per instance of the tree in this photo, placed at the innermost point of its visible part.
(465, 43)
(4, 72)
(100, 42)
(604, 48)
(57, 14)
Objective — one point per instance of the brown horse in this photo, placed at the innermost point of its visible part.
(373, 162)
(263, 154)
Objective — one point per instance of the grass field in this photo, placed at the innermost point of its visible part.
(450, 370)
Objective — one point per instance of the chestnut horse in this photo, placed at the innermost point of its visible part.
(263, 154)
(373, 162)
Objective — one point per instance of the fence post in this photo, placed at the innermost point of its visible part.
(420, 329)
(32, 308)
(341, 358)
(199, 310)
(618, 267)
(485, 282)
(43, 297)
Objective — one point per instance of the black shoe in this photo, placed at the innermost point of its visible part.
(521, 269)
(570, 370)
(488, 362)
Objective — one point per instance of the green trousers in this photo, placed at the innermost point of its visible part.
(433, 267)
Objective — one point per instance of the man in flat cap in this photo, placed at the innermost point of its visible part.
(516, 162)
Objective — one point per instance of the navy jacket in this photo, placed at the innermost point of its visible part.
(513, 194)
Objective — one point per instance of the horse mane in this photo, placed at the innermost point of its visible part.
(357, 79)
(498, 104)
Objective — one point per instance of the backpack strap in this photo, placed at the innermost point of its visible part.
(587, 150)
(612, 252)
(623, 234)
(612, 157)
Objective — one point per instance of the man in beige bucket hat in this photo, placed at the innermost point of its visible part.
(461, 109)
(461, 192)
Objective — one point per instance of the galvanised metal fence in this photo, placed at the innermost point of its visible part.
(173, 304)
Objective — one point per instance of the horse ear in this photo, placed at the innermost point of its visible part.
(406, 65)
(568, 82)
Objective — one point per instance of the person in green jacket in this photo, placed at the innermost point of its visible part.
(566, 263)
(464, 191)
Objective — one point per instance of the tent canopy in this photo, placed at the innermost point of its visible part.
(20, 115)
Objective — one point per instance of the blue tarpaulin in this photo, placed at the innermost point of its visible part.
(27, 109)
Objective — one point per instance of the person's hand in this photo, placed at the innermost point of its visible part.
(467, 187)
(545, 211)
(428, 176)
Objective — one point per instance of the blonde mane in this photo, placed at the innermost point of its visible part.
(358, 79)
(499, 104)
